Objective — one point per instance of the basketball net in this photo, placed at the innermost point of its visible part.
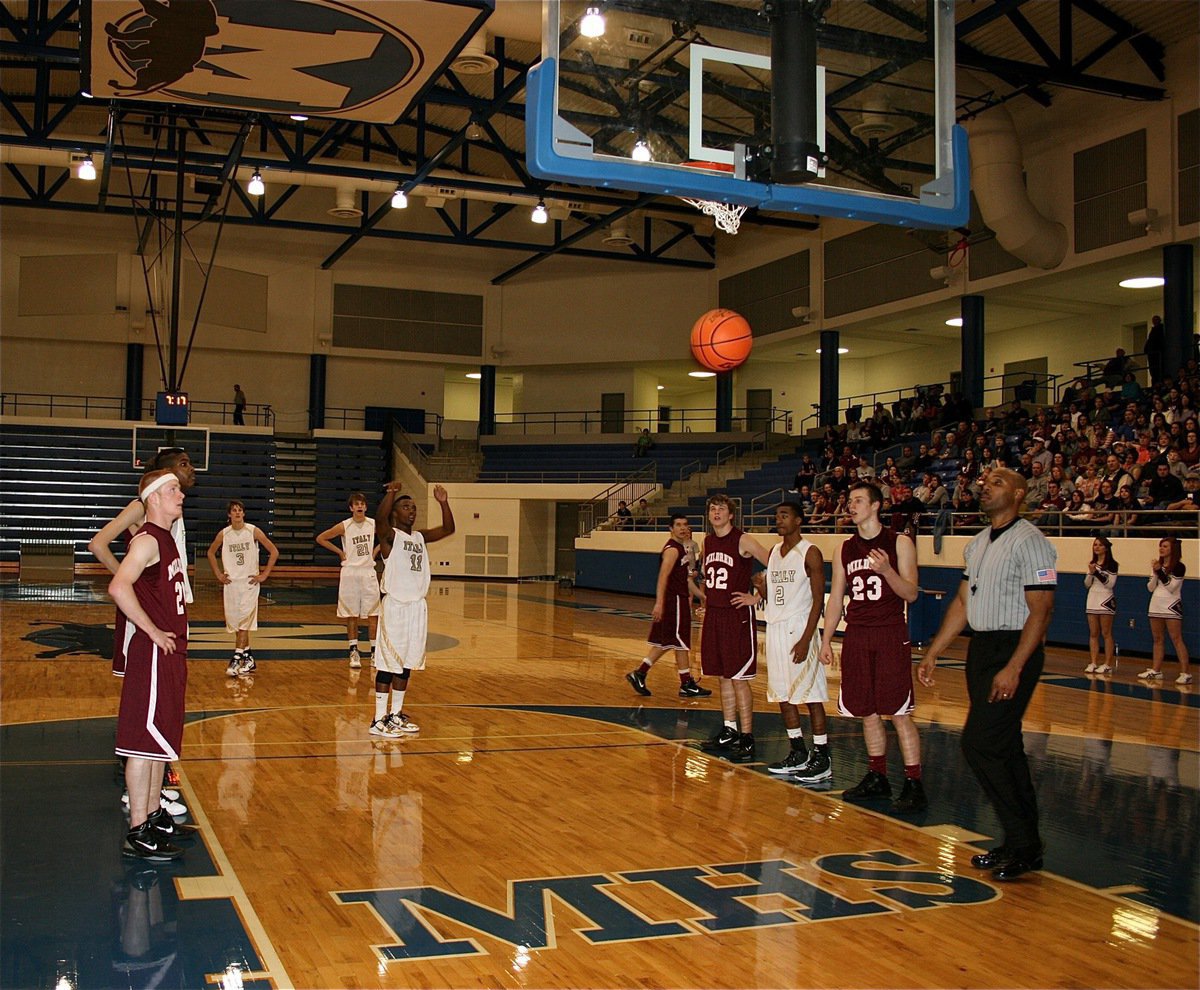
(728, 218)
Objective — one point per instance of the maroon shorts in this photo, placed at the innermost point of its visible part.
(674, 630)
(123, 631)
(876, 671)
(729, 643)
(150, 721)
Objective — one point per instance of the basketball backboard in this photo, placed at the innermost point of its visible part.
(668, 85)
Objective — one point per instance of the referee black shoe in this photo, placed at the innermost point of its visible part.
(168, 828)
(722, 742)
(991, 859)
(693, 690)
(873, 785)
(637, 681)
(911, 799)
(1019, 862)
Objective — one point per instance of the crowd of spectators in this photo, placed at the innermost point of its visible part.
(1110, 456)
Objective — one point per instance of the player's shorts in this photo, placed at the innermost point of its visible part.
(876, 671)
(123, 631)
(150, 721)
(674, 630)
(358, 592)
(796, 683)
(729, 643)
(241, 605)
(403, 629)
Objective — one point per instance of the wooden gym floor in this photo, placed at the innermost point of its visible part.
(549, 828)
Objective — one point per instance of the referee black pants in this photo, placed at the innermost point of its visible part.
(991, 738)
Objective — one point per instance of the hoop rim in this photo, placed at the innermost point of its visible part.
(709, 166)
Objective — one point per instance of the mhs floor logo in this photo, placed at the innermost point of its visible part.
(889, 884)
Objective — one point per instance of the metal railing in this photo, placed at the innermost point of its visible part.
(1093, 368)
(631, 421)
(354, 418)
(603, 507)
(201, 412)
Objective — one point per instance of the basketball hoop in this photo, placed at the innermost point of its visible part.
(726, 216)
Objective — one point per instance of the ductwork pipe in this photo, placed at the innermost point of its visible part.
(997, 179)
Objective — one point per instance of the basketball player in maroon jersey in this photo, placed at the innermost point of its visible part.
(729, 638)
(672, 615)
(149, 588)
(878, 568)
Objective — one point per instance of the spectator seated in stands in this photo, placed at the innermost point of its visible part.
(821, 516)
(645, 444)
(1164, 488)
(806, 499)
(923, 460)
(1047, 512)
(1088, 482)
(1079, 513)
(1127, 428)
(641, 515)
(1115, 474)
(806, 474)
(864, 471)
(1116, 368)
(1125, 515)
(622, 518)
(1059, 477)
(907, 460)
(935, 497)
(1191, 497)
(965, 498)
(1037, 486)
(1130, 389)
(1176, 465)
(840, 480)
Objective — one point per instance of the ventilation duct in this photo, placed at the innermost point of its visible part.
(998, 183)
(474, 59)
(618, 235)
(345, 207)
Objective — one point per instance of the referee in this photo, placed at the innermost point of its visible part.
(1007, 597)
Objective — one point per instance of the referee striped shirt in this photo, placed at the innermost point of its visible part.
(1001, 565)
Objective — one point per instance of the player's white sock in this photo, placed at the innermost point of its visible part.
(397, 701)
(821, 740)
(731, 724)
(381, 705)
(795, 733)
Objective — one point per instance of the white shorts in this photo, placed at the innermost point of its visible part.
(795, 683)
(241, 605)
(403, 628)
(358, 592)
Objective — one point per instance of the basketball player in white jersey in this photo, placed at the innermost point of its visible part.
(358, 587)
(402, 633)
(794, 589)
(239, 572)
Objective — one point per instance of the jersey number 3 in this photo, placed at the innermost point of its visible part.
(868, 588)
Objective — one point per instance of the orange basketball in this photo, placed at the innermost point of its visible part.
(721, 340)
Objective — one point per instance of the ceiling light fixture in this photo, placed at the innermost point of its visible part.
(641, 152)
(702, 374)
(87, 169)
(841, 350)
(954, 321)
(661, 387)
(256, 187)
(539, 214)
(1143, 282)
(299, 118)
(475, 375)
(592, 23)
(399, 200)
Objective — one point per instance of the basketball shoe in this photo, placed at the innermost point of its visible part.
(743, 749)
(401, 723)
(234, 665)
(355, 659)
(722, 742)
(247, 666)
(693, 690)
(873, 785)
(168, 828)
(146, 842)
(911, 799)
(794, 762)
(383, 727)
(637, 681)
(818, 768)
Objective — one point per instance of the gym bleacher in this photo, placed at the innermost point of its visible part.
(598, 461)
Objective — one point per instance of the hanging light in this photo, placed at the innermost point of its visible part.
(641, 152)
(256, 187)
(299, 118)
(399, 200)
(87, 169)
(592, 24)
(539, 214)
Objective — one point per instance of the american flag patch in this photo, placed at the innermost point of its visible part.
(1047, 575)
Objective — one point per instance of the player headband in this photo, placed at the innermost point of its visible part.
(156, 484)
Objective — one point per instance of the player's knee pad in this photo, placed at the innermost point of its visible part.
(403, 676)
(383, 678)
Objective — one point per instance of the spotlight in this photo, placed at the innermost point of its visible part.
(539, 214)
(641, 152)
(954, 321)
(702, 374)
(87, 169)
(399, 200)
(592, 24)
(299, 118)
(1147, 282)
(475, 375)
(841, 350)
(255, 186)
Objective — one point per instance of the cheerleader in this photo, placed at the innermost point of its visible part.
(1101, 583)
(1166, 609)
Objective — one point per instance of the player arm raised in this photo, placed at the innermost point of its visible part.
(384, 532)
(131, 515)
(953, 623)
(272, 556)
(669, 557)
(218, 571)
(903, 577)
(834, 608)
(447, 526)
(326, 540)
(142, 553)
(814, 566)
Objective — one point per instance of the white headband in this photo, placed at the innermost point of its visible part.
(156, 484)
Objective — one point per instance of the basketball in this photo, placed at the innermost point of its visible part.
(721, 340)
